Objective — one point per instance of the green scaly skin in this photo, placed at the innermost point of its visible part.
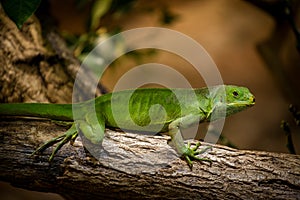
(180, 110)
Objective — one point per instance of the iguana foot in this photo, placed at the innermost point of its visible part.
(190, 154)
(70, 135)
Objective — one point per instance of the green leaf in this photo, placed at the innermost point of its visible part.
(99, 9)
(20, 10)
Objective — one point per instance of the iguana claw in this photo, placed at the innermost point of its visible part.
(69, 135)
(190, 154)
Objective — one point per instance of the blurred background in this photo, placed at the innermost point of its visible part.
(252, 43)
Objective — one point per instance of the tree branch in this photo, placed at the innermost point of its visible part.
(137, 166)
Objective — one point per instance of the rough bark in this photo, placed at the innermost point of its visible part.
(137, 166)
(30, 70)
(36, 65)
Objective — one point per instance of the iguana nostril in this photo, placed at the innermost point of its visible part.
(252, 99)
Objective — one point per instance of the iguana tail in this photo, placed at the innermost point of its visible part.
(40, 110)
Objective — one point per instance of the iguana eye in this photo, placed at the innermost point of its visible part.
(235, 93)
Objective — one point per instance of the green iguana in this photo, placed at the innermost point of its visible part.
(182, 108)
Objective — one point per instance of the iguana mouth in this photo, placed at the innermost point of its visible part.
(249, 103)
(244, 103)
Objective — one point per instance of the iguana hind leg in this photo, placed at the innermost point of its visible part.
(69, 135)
(91, 127)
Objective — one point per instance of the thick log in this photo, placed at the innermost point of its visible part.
(139, 166)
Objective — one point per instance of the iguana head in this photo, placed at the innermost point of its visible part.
(238, 99)
(234, 98)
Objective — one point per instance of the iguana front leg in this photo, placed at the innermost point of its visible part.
(176, 137)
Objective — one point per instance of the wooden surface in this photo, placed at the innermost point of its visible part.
(140, 166)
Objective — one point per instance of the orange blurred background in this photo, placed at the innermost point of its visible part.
(230, 31)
